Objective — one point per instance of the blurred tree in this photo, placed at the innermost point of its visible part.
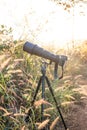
(6, 37)
(68, 4)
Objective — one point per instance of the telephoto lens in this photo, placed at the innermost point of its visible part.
(36, 50)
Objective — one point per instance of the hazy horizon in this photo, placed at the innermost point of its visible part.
(43, 21)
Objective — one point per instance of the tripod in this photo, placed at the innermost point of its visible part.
(42, 81)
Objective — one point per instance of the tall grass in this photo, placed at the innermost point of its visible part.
(18, 84)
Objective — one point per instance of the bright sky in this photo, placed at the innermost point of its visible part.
(48, 21)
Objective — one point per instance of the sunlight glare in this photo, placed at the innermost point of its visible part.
(49, 22)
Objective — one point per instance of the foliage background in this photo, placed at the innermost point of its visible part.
(19, 77)
(20, 72)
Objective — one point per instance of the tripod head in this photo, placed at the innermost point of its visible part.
(57, 59)
(43, 67)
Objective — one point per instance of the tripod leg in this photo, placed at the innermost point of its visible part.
(51, 90)
(32, 102)
(43, 97)
(37, 89)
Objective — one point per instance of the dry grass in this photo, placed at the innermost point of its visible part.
(43, 124)
(17, 90)
(53, 124)
(40, 102)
